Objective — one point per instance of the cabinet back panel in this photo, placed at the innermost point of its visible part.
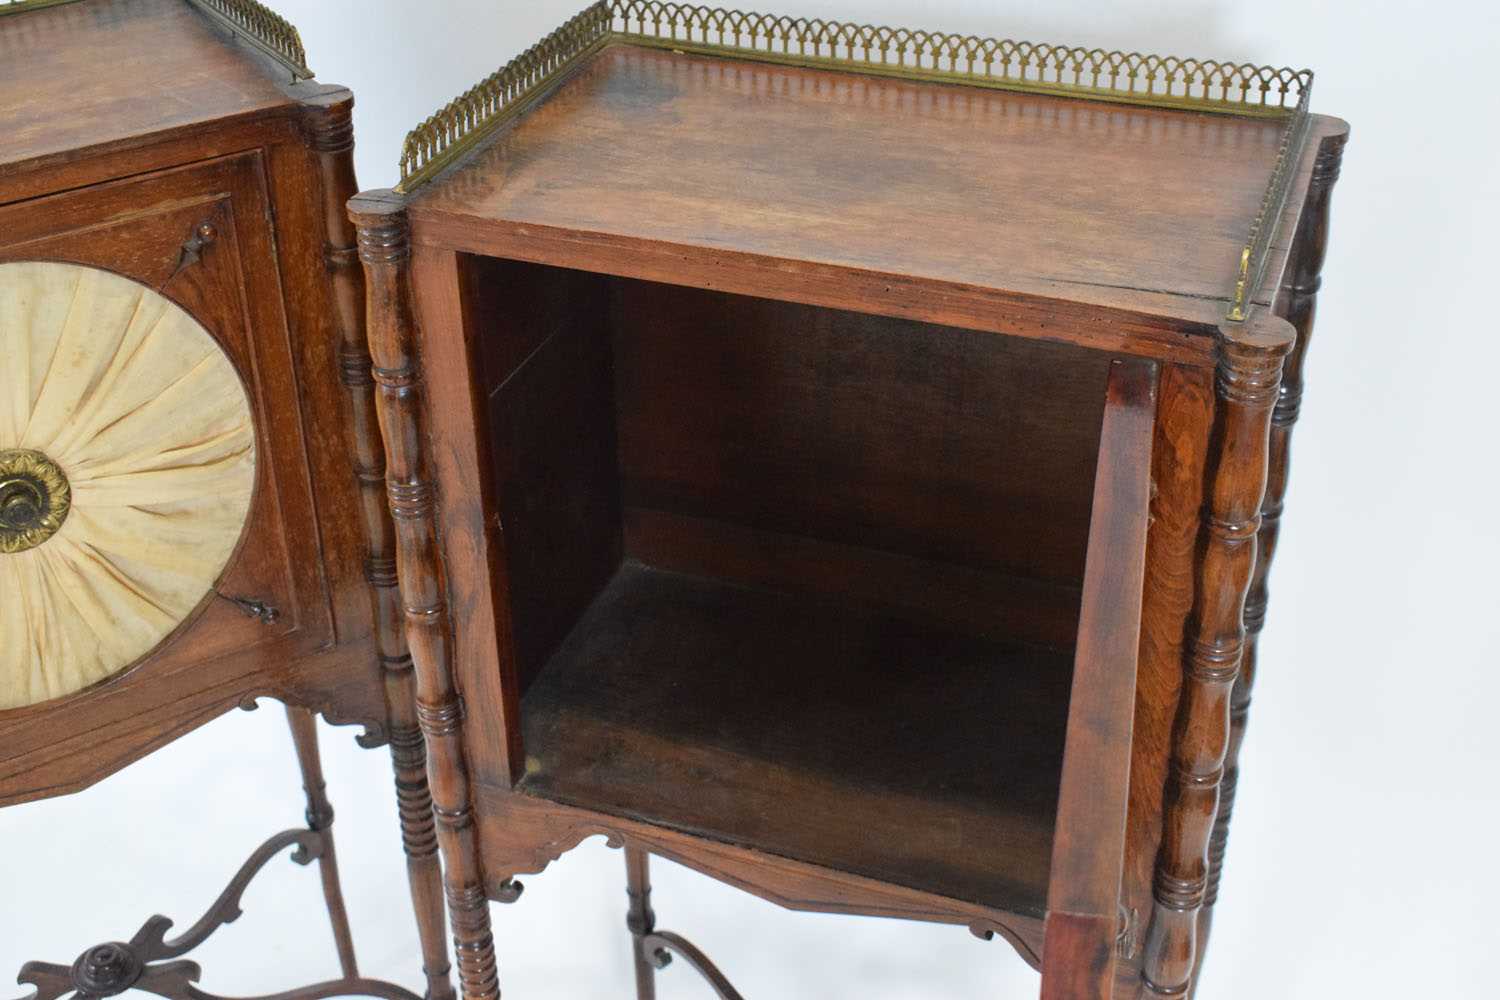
(936, 443)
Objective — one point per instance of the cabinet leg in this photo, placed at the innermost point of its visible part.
(653, 949)
(424, 872)
(304, 726)
(640, 919)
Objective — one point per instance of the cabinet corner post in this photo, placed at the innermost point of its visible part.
(380, 221)
(1250, 358)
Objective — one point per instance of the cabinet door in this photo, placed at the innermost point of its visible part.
(1084, 920)
(201, 237)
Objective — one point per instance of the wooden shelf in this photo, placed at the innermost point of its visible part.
(826, 732)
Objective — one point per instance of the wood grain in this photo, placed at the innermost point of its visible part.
(522, 834)
(1184, 413)
(1298, 305)
(142, 140)
(632, 717)
(1126, 208)
(1247, 381)
(809, 432)
(939, 444)
(385, 253)
(137, 227)
(329, 126)
(1088, 848)
(168, 71)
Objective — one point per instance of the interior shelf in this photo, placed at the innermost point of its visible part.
(819, 729)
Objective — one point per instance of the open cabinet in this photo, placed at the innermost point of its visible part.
(843, 485)
(811, 580)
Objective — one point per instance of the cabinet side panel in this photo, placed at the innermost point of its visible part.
(542, 340)
(472, 546)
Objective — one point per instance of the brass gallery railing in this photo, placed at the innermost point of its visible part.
(263, 28)
(258, 25)
(21, 6)
(1205, 85)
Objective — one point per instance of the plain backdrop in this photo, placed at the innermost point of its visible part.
(1362, 861)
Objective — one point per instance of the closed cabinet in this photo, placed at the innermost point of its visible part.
(158, 515)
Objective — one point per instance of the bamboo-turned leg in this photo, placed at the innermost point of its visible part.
(653, 949)
(1249, 373)
(1297, 304)
(330, 134)
(384, 248)
(304, 726)
(640, 919)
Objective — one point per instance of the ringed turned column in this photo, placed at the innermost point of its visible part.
(330, 133)
(1249, 374)
(384, 248)
(1298, 305)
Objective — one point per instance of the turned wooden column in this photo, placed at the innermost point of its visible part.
(330, 133)
(380, 220)
(1297, 304)
(1248, 377)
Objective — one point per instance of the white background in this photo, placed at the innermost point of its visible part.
(1363, 859)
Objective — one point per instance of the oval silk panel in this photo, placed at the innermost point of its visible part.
(127, 464)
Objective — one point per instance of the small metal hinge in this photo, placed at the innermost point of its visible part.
(1126, 940)
(263, 611)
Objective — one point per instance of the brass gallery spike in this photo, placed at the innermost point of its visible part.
(1203, 85)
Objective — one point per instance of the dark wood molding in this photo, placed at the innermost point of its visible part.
(523, 835)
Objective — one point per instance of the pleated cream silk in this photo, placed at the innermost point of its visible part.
(146, 417)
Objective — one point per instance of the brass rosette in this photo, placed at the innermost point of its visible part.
(34, 499)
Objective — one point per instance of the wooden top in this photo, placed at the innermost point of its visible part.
(105, 72)
(1135, 208)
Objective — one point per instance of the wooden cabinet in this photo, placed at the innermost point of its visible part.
(183, 379)
(212, 198)
(836, 459)
(138, 228)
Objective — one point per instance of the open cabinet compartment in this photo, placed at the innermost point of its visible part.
(805, 580)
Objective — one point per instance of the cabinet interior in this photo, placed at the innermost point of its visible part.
(792, 577)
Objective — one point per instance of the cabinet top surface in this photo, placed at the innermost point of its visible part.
(92, 74)
(1139, 208)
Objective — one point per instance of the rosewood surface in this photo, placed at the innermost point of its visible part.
(696, 387)
(1126, 208)
(97, 76)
